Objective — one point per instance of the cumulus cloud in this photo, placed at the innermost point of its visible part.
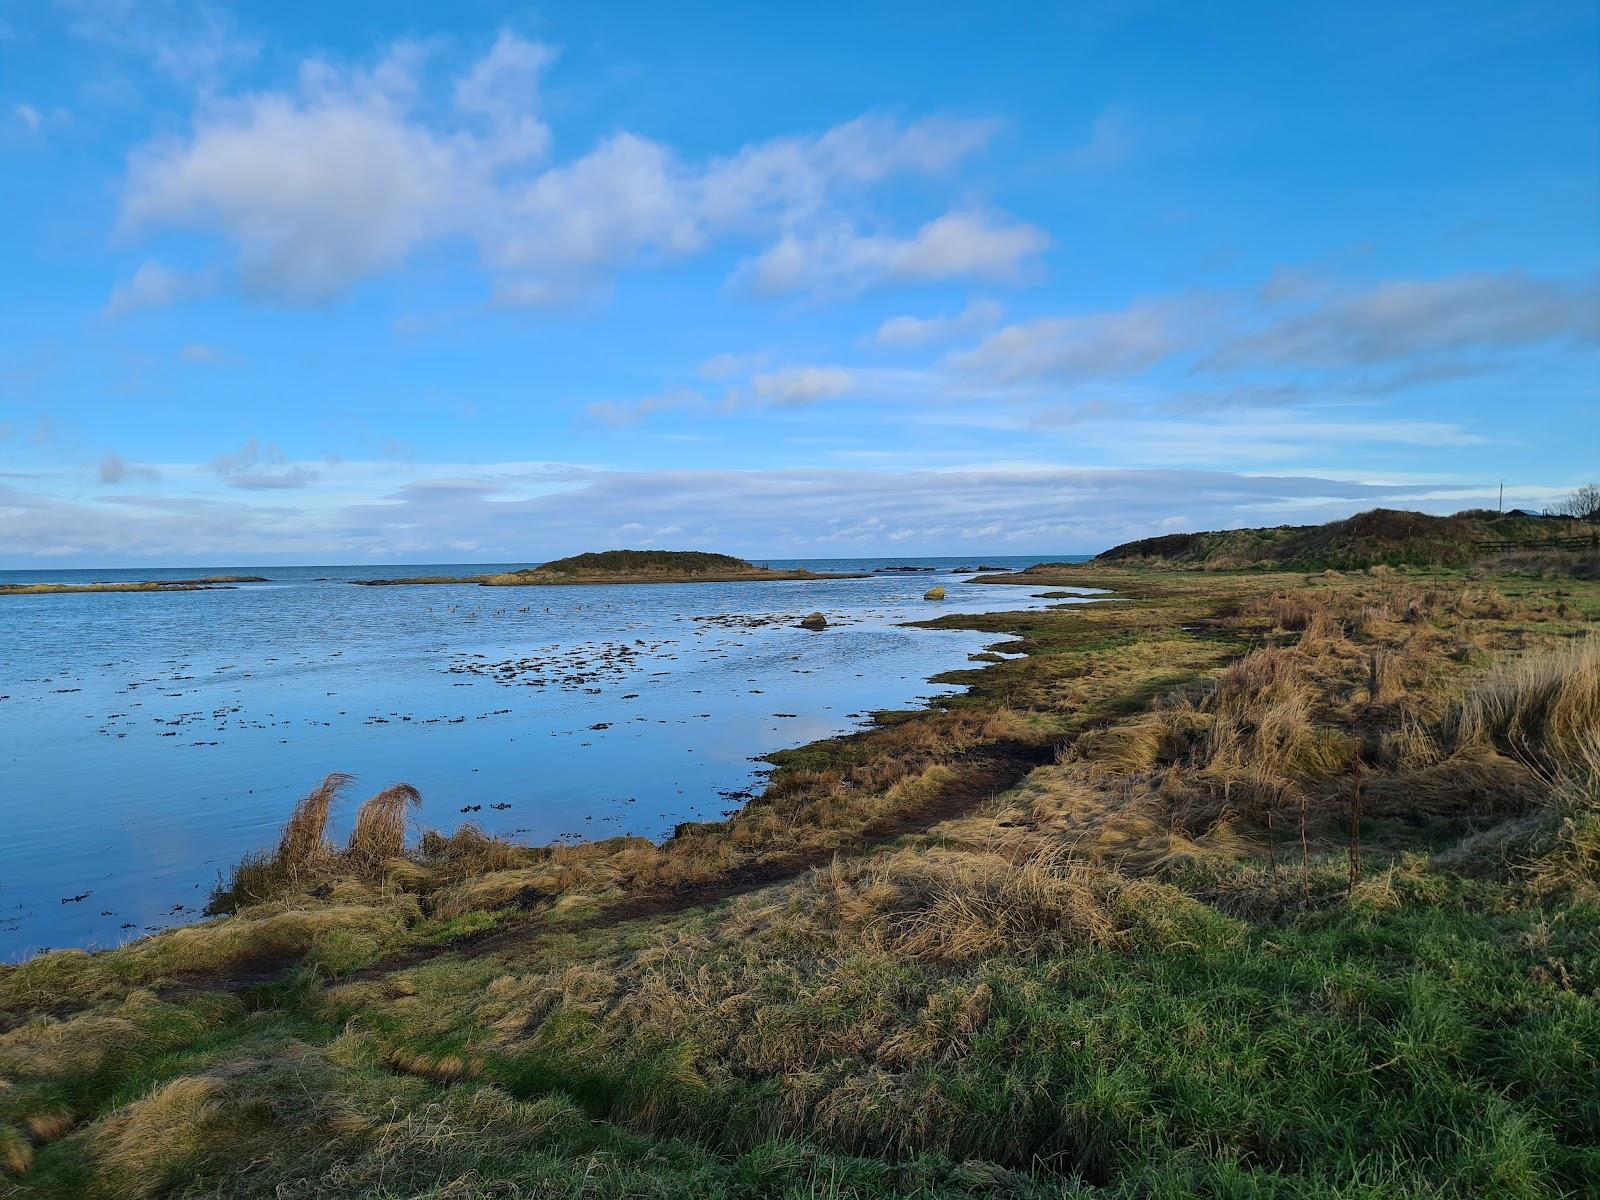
(29, 116)
(316, 191)
(352, 171)
(907, 332)
(842, 261)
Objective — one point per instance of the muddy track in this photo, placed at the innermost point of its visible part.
(979, 776)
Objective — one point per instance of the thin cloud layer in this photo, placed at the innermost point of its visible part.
(1336, 327)
(529, 512)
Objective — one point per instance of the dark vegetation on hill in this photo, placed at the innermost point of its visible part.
(618, 566)
(687, 562)
(1381, 537)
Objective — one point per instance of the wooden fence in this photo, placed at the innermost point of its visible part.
(1584, 541)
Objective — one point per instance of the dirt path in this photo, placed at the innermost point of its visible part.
(979, 777)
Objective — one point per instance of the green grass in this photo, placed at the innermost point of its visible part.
(1094, 984)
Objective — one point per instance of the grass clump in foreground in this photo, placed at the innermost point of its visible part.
(1235, 886)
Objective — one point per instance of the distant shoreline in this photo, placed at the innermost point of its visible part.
(207, 583)
(538, 579)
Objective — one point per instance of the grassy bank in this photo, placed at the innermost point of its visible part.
(1234, 885)
(1382, 536)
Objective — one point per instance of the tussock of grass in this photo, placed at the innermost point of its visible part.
(962, 907)
(304, 859)
(140, 1144)
(1543, 709)
(380, 831)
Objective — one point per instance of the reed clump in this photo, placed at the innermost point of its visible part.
(305, 859)
(1543, 709)
(380, 829)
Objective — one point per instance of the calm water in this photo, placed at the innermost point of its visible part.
(151, 739)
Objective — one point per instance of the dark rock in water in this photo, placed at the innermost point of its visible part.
(901, 570)
(814, 621)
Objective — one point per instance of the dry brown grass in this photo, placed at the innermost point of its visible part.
(961, 906)
(304, 842)
(380, 829)
(1543, 709)
(141, 1143)
(16, 1152)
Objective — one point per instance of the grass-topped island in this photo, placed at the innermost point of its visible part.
(622, 566)
(140, 585)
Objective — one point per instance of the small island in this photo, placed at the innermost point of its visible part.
(205, 583)
(621, 566)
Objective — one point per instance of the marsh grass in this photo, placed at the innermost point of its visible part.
(1543, 709)
(1152, 969)
(380, 829)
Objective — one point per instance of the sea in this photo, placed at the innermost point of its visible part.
(149, 740)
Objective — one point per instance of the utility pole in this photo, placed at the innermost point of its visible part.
(1502, 495)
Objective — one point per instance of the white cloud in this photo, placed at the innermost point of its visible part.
(154, 285)
(315, 195)
(29, 116)
(627, 197)
(906, 332)
(514, 512)
(1404, 318)
(503, 88)
(351, 172)
(618, 415)
(1081, 346)
(254, 467)
(841, 261)
(1426, 330)
(794, 386)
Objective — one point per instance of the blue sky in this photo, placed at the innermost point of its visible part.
(409, 282)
